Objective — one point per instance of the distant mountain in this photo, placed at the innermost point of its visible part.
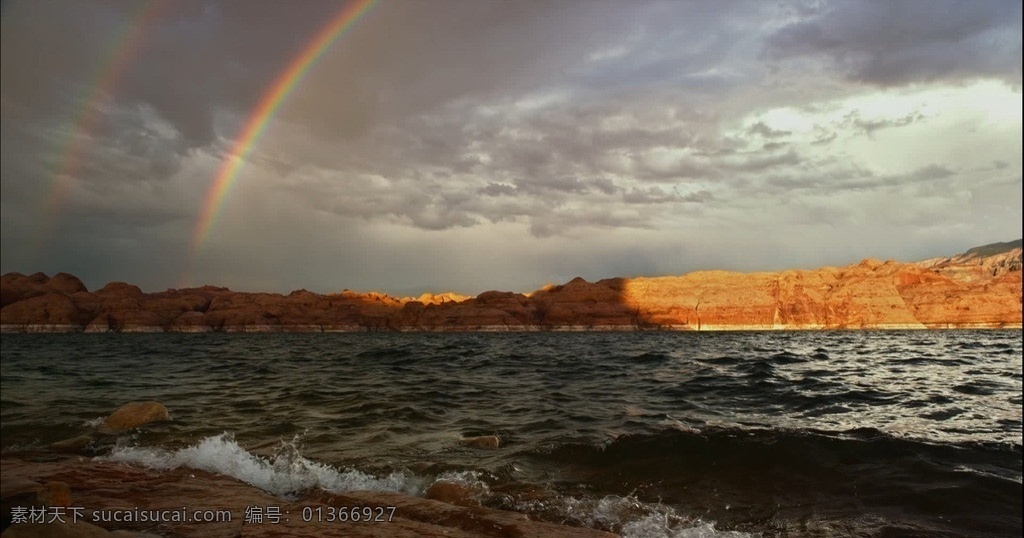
(992, 249)
(979, 263)
(980, 288)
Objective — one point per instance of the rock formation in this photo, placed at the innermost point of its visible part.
(980, 288)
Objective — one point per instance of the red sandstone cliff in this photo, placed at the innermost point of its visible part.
(979, 288)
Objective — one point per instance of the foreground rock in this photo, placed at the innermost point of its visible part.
(980, 288)
(69, 530)
(132, 415)
(100, 487)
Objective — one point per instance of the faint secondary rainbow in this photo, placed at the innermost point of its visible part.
(121, 50)
(260, 116)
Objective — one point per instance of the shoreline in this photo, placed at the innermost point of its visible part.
(11, 328)
(99, 489)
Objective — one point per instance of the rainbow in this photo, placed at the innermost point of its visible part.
(265, 109)
(121, 50)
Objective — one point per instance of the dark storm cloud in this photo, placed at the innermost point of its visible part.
(186, 61)
(892, 43)
(138, 133)
(217, 56)
(201, 57)
(45, 58)
(434, 130)
(427, 55)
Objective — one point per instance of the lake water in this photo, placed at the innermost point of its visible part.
(649, 434)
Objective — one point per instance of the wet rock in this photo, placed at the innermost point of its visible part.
(21, 492)
(100, 484)
(74, 444)
(452, 493)
(133, 415)
(55, 530)
(14, 487)
(475, 521)
(54, 494)
(32, 493)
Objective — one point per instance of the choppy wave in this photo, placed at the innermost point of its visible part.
(774, 433)
(796, 477)
(288, 474)
(713, 471)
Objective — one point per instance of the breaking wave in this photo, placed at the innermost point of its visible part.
(288, 474)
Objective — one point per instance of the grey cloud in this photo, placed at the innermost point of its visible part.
(930, 172)
(530, 165)
(688, 46)
(407, 58)
(758, 162)
(870, 126)
(431, 218)
(657, 195)
(564, 184)
(186, 59)
(46, 60)
(649, 195)
(683, 168)
(604, 185)
(825, 138)
(498, 189)
(131, 146)
(763, 130)
(894, 43)
(699, 196)
(830, 176)
(566, 123)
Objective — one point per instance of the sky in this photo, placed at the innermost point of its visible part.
(465, 146)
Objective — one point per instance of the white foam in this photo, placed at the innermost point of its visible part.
(631, 517)
(462, 478)
(286, 473)
(659, 526)
(974, 470)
